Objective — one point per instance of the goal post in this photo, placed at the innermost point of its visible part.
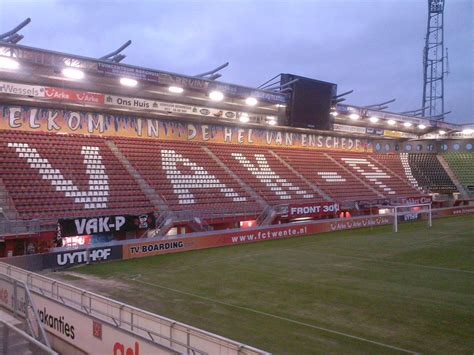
(409, 211)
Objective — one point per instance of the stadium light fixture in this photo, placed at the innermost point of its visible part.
(407, 124)
(467, 131)
(216, 96)
(73, 73)
(176, 89)
(271, 120)
(421, 126)
(391, 122)
(244, 117)
(442, 132)
(280, 105)
(354, 116)
(128, 82)
(251, 101)
(334, 113)
(8, 63)
(373, 119)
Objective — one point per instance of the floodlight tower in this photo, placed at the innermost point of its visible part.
(433, 62)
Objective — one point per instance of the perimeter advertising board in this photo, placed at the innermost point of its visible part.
(74, 257)
(145, 248)
(87, 333)
(415, 200)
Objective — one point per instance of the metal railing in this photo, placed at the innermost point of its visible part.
(154, 328)
(16, 341)
(14, 227)
(22, 306)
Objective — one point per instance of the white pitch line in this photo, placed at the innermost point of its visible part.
(366, 258)
(278, 317)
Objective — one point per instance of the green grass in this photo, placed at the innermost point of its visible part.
(413, 290)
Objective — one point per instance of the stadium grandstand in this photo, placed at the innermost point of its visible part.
(95, 153)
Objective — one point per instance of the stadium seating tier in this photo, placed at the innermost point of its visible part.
(56, 176)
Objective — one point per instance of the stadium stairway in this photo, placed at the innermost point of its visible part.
(331, 177)
(7, 208)
(188, 179)
(392, 162)
(462, 165)
(464, 192)
(271, 179)
(50, 176)
(158, 203)
(294, 171)
(430, 174)
(245, 186)
(373, 172)
(370, 192)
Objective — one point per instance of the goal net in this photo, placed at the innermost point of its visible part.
(412, 212)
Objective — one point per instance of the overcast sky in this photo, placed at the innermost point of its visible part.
(371, 46)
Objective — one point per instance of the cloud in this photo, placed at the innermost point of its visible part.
(373, 47)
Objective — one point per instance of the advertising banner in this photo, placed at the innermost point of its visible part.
(349, 129)
(27, 118)
(167, 107)
(105, 224)
(64, 259)
(188, 82)
(73, 95)
(149, 75)
(398, 134)
(414, 200)
(375, 131)
(455, 211)
(145, 248)
(21, 89)
(323, 209)
(87, 333)
(242, 236)
(8, 292)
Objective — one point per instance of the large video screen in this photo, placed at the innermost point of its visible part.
(310, 103)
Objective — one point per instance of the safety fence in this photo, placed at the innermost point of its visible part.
(97, 324)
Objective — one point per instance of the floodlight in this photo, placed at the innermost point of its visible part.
(128, 82)
(244, 117)
(175, 89)
(216, 95)
(251, 101)
(73, 73)
(8, 63)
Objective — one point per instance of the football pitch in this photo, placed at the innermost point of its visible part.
(360, 291)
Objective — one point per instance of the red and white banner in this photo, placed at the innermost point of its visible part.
(415, 200)
(321, 209)
(73, 95)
